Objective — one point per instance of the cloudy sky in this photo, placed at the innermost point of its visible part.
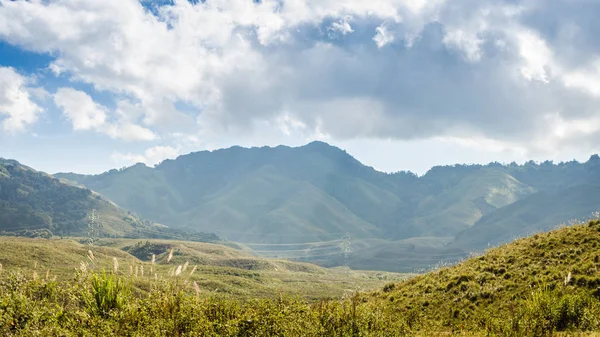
(89, 85)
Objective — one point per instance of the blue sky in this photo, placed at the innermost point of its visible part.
(86, 86)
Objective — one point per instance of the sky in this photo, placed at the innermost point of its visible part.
(87, 85)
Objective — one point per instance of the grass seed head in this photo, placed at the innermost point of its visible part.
(91, 256)
(170, 255)
(568, 278)
(196, 288)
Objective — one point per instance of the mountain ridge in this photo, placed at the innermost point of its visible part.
(244, 193)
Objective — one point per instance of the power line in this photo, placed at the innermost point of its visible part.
(289, 244)
(285, 235)
(295, 250)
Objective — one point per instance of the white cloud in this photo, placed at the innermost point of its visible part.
(245, 65)
(536, 55)
(288, 124)
(79, 108)
(16, 105)
(466, 41)
(587, 80)
(151, 156)
(129, 132)
(342, 26)
(383, 36)
(85, 114)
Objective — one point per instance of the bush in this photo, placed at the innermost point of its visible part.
(107, 293)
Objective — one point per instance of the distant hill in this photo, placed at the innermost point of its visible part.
(524, 218)
(36, 204)
(278, 200)
(272, 195)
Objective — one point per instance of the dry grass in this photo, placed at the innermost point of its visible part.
(216, 268)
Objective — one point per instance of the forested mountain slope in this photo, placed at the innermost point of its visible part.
(319, 193)
(34, 204)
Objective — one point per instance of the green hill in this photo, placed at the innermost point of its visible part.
(36, 204)
(532, 286)
(523, 218)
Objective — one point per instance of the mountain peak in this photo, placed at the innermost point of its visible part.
(317, 144)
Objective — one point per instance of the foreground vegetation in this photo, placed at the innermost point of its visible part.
(540, 286)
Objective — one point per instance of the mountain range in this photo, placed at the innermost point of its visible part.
(318, 203)
(313, 203)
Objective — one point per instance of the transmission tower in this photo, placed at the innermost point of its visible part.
(93, 227)
(346, 249)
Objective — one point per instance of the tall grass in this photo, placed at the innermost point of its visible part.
(545, 286)
(107, 304)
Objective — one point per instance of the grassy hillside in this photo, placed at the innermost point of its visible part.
(553, 276)
(545, 285)
(219, 269)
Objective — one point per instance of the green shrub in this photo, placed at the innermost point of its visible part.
(108, 292)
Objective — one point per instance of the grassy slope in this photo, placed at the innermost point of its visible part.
(520, 289)
(524, 217)
(220, 269)
(491, 285)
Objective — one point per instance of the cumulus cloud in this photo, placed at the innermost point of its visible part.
(401, 69)
(383, 36)
(342, 26)
(17, 109)
(85, 114)
(151, 156)
(80, 109)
